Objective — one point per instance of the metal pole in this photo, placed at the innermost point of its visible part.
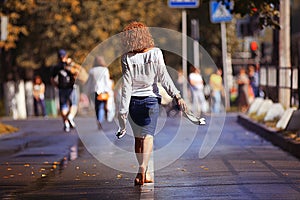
(291, 84)
(298, 63)
(225, 67)
(195, 36)
(184, 53)
(267, 82)
(196, 54)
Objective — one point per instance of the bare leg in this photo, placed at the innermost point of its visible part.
(73, 111)
(148, 147)
(139, 180)
(143, 150)
(71, 115)
(64, 115)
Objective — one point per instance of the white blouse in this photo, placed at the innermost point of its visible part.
(98, 80)
(141, 73)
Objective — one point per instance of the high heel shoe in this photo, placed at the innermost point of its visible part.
(140, 177)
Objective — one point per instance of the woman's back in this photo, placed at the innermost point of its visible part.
(143, 69)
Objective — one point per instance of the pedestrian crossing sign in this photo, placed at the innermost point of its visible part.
(220, 11)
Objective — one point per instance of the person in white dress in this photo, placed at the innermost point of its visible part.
(197, 86)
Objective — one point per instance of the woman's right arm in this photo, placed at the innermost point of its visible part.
(125, 95)
(126, 87)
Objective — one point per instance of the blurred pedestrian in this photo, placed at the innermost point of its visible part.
(254, 79)
(243, 87)
(142, 67)
(217, 90)
(111, 106)
(197, 87)
(98, 85)
(63, 77)
(39, 96)
(180, 80)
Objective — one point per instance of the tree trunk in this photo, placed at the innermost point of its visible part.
(284, 53)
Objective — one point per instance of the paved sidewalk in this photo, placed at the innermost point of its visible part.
(241, 166)
(274, 136)
(39, 148)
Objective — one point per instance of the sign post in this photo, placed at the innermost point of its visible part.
(184, 54)
(184, 4)
(195, 36)
(220, 13)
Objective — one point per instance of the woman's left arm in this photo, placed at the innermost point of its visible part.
(165, 78)
(168, 83)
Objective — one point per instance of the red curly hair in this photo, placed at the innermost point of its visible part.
(136, 37)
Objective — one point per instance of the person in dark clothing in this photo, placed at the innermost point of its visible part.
(63, 77)
(254, 79)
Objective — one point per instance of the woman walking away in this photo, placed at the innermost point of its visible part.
(142, 67)
(98, 84)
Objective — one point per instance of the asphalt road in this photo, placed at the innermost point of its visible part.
(43, 162)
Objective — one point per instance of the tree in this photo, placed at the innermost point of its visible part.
(75, 25)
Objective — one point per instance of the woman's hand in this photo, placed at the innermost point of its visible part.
(180, 102)
(122, 120)
(122, 125)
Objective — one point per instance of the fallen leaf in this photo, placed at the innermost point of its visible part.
(44, 175)
(119, 176)
(42, 170)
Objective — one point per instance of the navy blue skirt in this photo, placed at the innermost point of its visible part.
(143, 115)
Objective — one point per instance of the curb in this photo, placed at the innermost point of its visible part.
(274, 136)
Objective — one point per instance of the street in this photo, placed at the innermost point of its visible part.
(43, 162)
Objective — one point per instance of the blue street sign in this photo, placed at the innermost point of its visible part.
(220, 12)
(183, 3)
